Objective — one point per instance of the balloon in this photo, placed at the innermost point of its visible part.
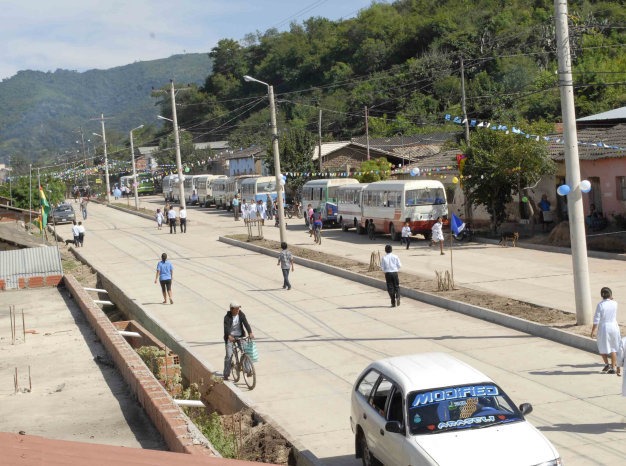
(415, 171)
(563, 190)
(282, 182)
(585, 186)
(524, 199)
(284, 177)
(186, 169)
(455, 180)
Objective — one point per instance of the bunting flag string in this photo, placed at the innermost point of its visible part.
(519, 132)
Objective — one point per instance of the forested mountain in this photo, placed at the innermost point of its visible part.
(402, 60)
(39, 112)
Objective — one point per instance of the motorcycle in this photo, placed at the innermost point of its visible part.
(466, 234)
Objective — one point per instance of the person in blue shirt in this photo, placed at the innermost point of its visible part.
(165, 273)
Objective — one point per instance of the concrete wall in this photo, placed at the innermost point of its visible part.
(607, 170)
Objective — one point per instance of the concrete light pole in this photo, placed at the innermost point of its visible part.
(132, 153)
(106, 159)
(279, 186)
(582, 291)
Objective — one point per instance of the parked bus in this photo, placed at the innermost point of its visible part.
(322, 195)
(204, 187)
(386, 205)
(218, 187)
(126, 180)
(233, 186)
(349, 203)
(168, 187)
(191, 192)
(257, 189)
(145, 183)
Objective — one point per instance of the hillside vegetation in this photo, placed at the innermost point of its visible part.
(402, 60)
(39, 112)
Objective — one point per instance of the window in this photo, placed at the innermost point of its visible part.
(266, 187)
(427, 196)
(380, 395)
(367, 382)
(620, 182)
(396, 413)
(460, 407)
(332, 192)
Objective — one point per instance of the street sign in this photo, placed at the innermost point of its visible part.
(98, 181)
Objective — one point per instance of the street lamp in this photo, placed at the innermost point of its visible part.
(132, 153)
(106, 162)
(279, 186)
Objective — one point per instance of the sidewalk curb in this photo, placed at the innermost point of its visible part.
(515, 323)
(556, 249)
(226, 397)
(128, 211)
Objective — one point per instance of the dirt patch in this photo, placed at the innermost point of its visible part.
(132, 208)
(527, 311)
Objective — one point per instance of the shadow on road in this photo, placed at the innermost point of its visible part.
(601, 428)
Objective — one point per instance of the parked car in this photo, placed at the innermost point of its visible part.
(63, 213)
(432, 409)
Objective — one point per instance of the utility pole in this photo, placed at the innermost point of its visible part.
(132, 153)
(279, 175)
(106, 158)
(367, 133)
(179, 164)
(82, 140)
(10, 187)
(465, 122)
(319, 139)
(43, 239)
(30, 196)
(582, 291)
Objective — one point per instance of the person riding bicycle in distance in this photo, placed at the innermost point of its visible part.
(235, 327)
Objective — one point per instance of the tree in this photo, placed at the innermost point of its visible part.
(374, 170)
(500, 165)
(52, 186)
(296, 148)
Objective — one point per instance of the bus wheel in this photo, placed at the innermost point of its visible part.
(371, 230)
(428, 235)
(392, 232)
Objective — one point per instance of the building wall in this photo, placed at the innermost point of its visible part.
(346, 158)
(243, 166)
(607, 170)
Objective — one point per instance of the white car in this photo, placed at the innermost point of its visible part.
(432, 409)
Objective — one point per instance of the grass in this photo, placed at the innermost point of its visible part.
(132, 207)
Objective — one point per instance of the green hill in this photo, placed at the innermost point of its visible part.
(39, 111)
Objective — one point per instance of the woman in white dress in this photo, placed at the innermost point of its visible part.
(609, 340)
(437, 234)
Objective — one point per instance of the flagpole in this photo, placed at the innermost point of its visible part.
(451, 266)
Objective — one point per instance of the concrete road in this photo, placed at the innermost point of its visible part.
(542, 278)
(315, 339)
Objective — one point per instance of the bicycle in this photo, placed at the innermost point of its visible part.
(240, 360)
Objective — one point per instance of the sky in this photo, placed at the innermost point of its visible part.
(79, 35)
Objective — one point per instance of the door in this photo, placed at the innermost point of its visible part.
(595, 196)
(394, 445)
(377, 418)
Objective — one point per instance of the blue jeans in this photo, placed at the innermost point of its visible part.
(286, 278)
(84, 214)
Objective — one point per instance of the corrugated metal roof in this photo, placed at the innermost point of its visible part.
(29, 262)
(615, 114)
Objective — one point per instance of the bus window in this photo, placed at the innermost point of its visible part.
(332, 192)
(427, 196)
(266, 187)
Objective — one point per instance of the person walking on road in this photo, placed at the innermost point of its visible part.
(609, 340)
(406, 234)
(182, 214)
(236, 207)
(261, 211)
(253, 211)
(285, 260)
(165, 274)
(235, 326)
(437, 234)
(159, 218)
(390, 264)
(171, 219)
(81, 234)
(309, 216)
(76, 233)
(83, 207)
(270, 207)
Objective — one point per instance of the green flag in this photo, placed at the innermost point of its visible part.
(45, 209)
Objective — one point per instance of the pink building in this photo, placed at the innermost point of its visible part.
(602, 165)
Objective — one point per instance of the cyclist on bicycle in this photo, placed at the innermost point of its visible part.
(235, 326)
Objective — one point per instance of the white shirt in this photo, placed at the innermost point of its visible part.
(159, 217)
(75, 230)
(81, 229)
(235, 331)
(606, 312)
(390, 263)
(182, 213)
(437, 231)
(171, 213)
(406, 231)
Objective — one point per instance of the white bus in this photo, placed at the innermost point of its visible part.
(233, 186)
(204, 188)
(349, 206)
(218, 188)
(322, 195)
(168, 187)
(386, 205)
(258, 189)
(176, 188)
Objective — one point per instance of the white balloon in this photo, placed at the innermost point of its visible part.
(585, 186)
(282, 182)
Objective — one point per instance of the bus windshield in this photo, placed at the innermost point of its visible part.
(266, 187)
(425, 196)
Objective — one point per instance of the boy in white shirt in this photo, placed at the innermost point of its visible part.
(76, 233)
(437, 235)
(406, 234)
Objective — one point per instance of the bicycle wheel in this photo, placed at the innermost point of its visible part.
(235, 369)
(248, 377)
